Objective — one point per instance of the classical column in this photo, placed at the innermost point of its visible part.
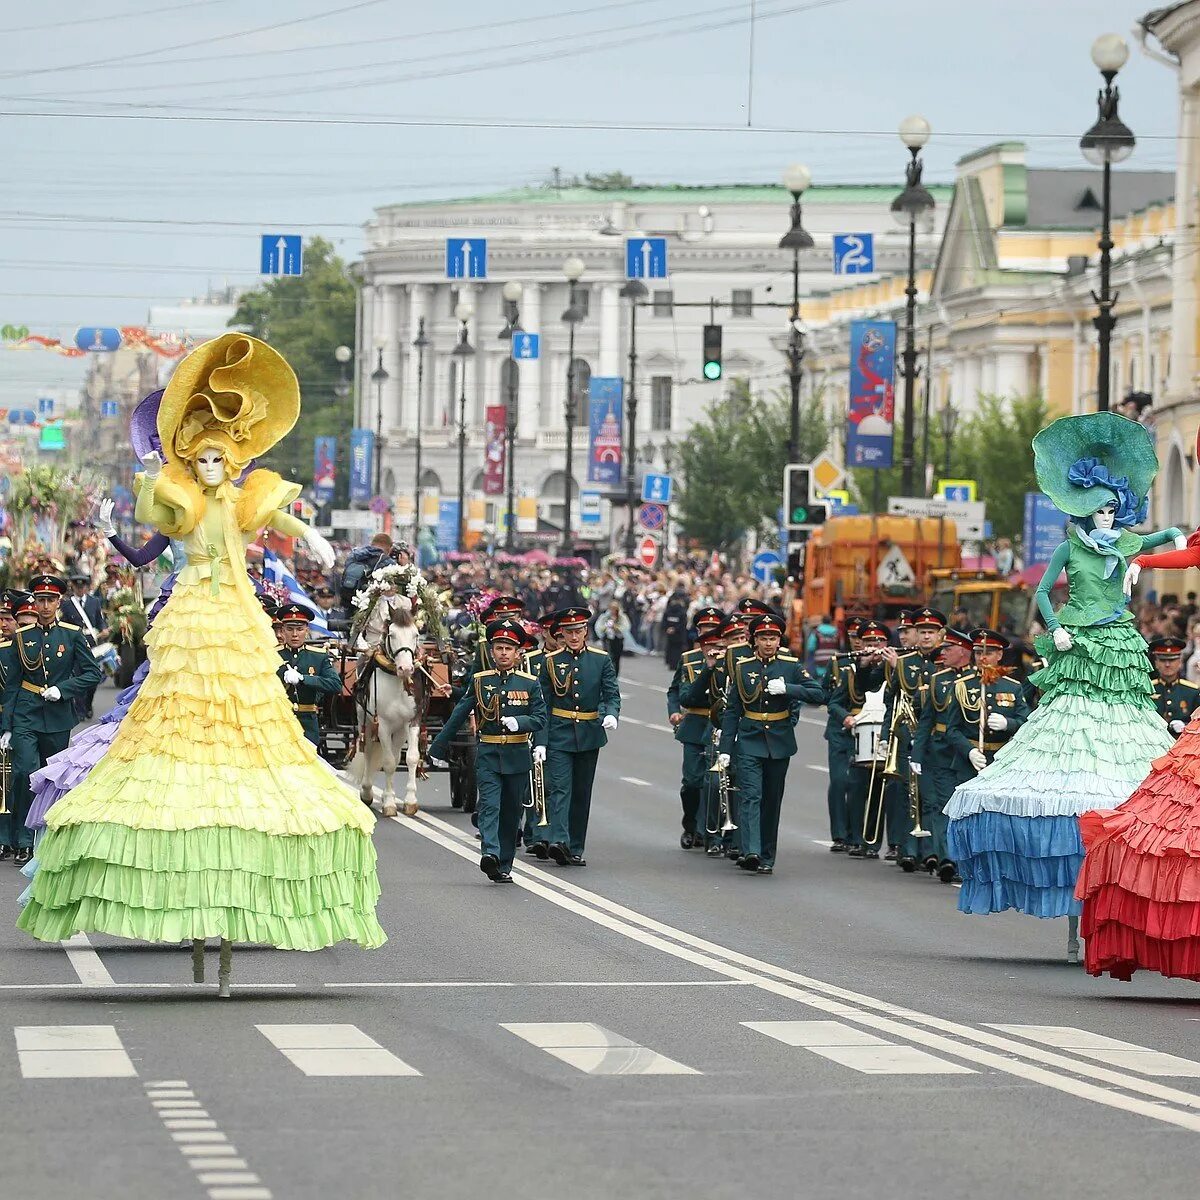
(610, 330)
(389, 334)
(365, 361)
(529, 390)
(418, 303)
(1012, 372)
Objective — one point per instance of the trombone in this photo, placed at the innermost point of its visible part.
(5, 780)
(902, 715)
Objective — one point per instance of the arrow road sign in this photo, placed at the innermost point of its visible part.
(526, 347)
(646, 258)
(656, 489)
(466, 258)
(853, 253)
(282, 254)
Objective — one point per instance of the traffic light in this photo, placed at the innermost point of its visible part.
(799, 509)
(712, 352)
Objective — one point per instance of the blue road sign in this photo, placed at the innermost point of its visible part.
(764, 564)
(109, 408)
(646, 258)
(853, 253)
(656, 489)
(45, 406)
(98, 337)
(526, 347)
(589, 508)
(282, 254)
(466, 258)
(652, 517)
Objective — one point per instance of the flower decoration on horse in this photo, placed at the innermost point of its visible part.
(428, 609)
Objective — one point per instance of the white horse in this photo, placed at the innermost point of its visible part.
(388, 714)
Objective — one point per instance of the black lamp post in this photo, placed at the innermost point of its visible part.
(913, 205)
(573, 268)
(420, 344)
(512, 324)
(341, 389)
(379, 377)
(949, 418)
(1108, 141)
(463, 351)
(796, 179)
(635, 291)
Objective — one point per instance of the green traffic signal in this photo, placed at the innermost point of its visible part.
(712, 370)
(712, 352)
(799, 515)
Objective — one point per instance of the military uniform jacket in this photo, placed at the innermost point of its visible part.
(909, 677)
(835, 730)
(850, 691)
(6, 655)
(58, 656)
(580, 691)
(320, 678)
(762, 724)
(931, 747)
(492, 696)
(692, 692)
(1175, 701)
(1004, 696)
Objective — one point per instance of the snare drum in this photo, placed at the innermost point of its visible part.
(866, 742)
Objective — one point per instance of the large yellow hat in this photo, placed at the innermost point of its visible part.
(234, 392)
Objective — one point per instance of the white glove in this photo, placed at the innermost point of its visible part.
(509, 723)
(1181, 542)
(609, 722)
(152, 463)
(51, 694)
(776, 687)
(104, 521)
(1132, 575)
(997, 723)
(1177, 726)
(322, 551)
(292, 676)
(436, 762)
(539, 754)
(978, 759)
(1062, 639)
(915, 768)
(5, 741)
(723, 761)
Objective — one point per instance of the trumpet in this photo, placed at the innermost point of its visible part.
(537, 794)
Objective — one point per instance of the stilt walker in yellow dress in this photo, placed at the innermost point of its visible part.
(211, 815)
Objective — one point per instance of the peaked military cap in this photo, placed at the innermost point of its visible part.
(47, 585)
(505, 629)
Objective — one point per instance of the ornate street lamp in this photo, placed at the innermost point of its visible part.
(796, 179)
(572, 269)
(512, 324)
(463, 352)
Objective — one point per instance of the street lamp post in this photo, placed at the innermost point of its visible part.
(341, 389)
(573, 268)
(463, 351)
(796, 179)
(1108, 141)
(914, 204)
(512, 324)
(420, 344)
(379, 377)
(949, 418)
(635, 291)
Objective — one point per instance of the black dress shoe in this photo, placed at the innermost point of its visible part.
(749, 862)
(687, 841)
(542, 850)
(716, 850)
(930, 864)
(871, 854)
(838, 846)
(489, 864)
(765, 871)
(5, 852)
(908, 864)
(577, 860)
(893, 853)
(504, 878)
(22, 856)
(733, 852)
(947, 872)
(559, 853)
(857, 852)
(531, 851)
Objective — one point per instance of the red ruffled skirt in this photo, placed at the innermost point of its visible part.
(1140, 880)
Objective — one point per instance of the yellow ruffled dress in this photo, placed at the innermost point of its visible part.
(211, 815)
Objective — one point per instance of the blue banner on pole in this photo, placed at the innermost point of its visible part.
(872, 394)
(605, 405)
(1045, 528)
(362, 453)
(447, 526)
(324, 468)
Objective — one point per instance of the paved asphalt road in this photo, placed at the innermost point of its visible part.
(832, 1031)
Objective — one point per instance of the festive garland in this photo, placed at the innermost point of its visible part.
(429, 607)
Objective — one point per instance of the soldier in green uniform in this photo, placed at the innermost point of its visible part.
(532, 835)
(692, 729)
(933, 755)
(509, 708)
(702, 697)
(580, 687)
(1174, 697)
(767, 693)
(306, 671)
(866, 674)
(840, 742)
(987, 709)
(51, 665)
(906, 634)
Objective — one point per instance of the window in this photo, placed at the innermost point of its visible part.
(452, 296)
(742, 302)
(660, 402)
(664, 304)
(581, 379)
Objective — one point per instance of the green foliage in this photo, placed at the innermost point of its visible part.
(731, 465)
(306, 317)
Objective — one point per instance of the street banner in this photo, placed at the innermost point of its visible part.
(605, 407)
(324, 468)
(493, 450)
(1045, 528)
(872, 394)
(447, 525)
(362, 455)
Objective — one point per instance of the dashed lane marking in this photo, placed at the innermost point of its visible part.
(72, 1052)
(334, 1050)
(595, 1050)
(857, 1049)
(1106, 1050)
(86, 962)
(817, 767)
(635, 781)
(646, 724)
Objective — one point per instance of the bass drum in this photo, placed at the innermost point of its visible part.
(866, 742)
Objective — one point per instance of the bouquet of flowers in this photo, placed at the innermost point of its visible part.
(429, 609)
(126, 617)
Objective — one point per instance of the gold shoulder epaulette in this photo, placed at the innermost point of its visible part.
(525, 675)
(481, 674)
(1187, 683)
(68, 625)
(5, 645)
(787, 657)
(597, 650)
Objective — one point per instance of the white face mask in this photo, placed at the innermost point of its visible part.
(210, 467)
(1105, 518)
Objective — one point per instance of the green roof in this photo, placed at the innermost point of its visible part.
(748, 193)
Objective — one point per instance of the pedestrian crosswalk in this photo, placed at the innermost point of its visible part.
(334, 1050)
(596, 1050)
(857, 1049)
(71, 1052)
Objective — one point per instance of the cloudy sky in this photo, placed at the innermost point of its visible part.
(147, 144)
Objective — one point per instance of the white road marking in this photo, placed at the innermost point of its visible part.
(819, 842)
(817, 767)
(635, 781)
(857, 1049)
(334, 1050)
(551, 983)
(595, 1050)
(650, 687)
(86, 962)
(978, 1046)
(1106, 1050)
(72, 1052)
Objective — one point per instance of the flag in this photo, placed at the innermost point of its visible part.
(275, 572)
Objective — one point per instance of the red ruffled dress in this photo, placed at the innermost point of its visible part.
(1140, 880)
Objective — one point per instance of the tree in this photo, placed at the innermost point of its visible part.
(306, 317)
(732, 461)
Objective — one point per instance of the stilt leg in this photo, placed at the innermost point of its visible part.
(1072, 939)
(225, 969)
(197, 960)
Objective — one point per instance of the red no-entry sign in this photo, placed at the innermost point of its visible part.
(648, 551)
